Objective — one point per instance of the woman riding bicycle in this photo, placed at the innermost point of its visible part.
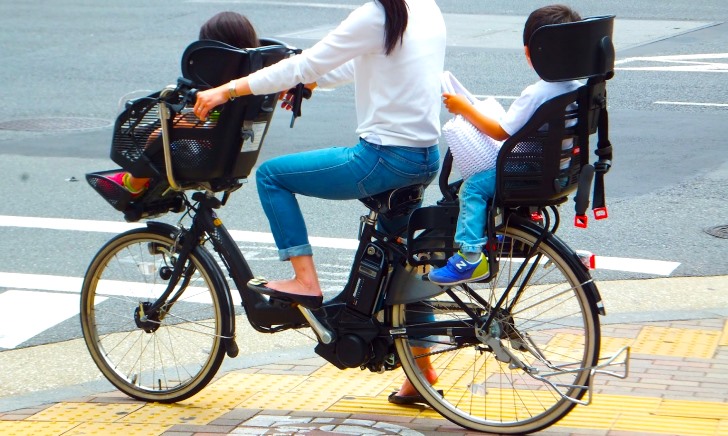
(394, 51)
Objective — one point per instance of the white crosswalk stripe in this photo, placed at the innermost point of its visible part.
(55, 299)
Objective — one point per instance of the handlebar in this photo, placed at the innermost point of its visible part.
(174, 98)
(299, 93)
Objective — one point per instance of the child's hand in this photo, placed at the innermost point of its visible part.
(456, 103)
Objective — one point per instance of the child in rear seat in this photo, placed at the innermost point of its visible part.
(470, 264)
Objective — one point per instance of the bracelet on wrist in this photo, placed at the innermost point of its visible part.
(231, 90)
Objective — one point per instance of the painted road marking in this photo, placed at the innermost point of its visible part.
(118, 227)
(646, 266)
(704, 63)
(25, 314)
(690, 103)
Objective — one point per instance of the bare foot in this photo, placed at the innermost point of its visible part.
(408, 390)
(295, 286)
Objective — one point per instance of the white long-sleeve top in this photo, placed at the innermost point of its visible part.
(397, 96)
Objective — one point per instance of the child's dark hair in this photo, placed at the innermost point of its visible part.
(231, 28)
(552, 14)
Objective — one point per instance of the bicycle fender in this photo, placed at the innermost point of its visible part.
(167, 228)
(570, 256)
(221, 288)
(406, 286)
(587, 282)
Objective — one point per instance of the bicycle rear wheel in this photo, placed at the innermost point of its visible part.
(526, 371)
(163, 356)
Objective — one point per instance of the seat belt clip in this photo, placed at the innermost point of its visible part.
(581, 221)
(600, 213)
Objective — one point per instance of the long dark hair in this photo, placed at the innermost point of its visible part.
(395, 12)
(231, 28)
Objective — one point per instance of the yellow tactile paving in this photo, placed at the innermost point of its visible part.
(643, 422)
(667, 341)
(373, 405)
(85, 412)
(724, 337)
(604, 411)
(171, 414)
(35, 428)
(609, 345)
(357, 382)
(117, 429)
(216, 396)
(693, 409)
(354, 391)
(723, 427)
(622, 413)
(591, 417)
(234, 389)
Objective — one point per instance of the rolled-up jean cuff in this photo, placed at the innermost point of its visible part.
(474, 248)
(299, 250)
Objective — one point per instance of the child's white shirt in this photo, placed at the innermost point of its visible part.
(523, 108)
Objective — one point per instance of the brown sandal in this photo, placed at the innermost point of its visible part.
(408, 400)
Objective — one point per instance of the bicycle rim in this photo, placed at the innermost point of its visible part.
(166, 357)
(552, 330)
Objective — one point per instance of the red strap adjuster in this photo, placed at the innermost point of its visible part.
(601, 213)
(581, 221)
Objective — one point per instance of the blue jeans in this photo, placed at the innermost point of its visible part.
(475, 194)
(338, 173)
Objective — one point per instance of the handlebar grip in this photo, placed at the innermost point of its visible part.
(444, 176)
(299, 93)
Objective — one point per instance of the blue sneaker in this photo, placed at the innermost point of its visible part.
(458, 270)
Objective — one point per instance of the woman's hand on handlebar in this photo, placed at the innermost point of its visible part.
(288, 96)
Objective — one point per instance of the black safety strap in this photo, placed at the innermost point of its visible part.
(602, 165)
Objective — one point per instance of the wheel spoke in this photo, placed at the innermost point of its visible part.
(492, 378)
(166, 354)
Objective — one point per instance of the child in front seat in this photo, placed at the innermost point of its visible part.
(231, 28)
(470, 264)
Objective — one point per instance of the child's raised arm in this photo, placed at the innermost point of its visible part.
(459, 105)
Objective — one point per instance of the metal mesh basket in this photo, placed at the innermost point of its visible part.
(225, 146)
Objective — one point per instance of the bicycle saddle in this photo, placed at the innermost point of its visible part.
(396, 202)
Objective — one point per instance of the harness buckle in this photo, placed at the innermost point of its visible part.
(581, 221)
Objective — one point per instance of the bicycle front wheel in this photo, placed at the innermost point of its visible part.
(163, 355)
(527, 368)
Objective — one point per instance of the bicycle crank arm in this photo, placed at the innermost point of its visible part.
(324, 335)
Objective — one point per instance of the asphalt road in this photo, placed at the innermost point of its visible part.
(66, 64)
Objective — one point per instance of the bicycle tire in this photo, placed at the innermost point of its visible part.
(556, 315)
(167, 359)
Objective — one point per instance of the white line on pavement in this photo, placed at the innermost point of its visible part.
(689, 103)
(645, 266)
(118, 227)
(26, 314)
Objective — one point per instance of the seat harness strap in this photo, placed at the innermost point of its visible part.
(602, 165)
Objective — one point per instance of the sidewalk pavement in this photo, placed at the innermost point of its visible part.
(677, 385)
